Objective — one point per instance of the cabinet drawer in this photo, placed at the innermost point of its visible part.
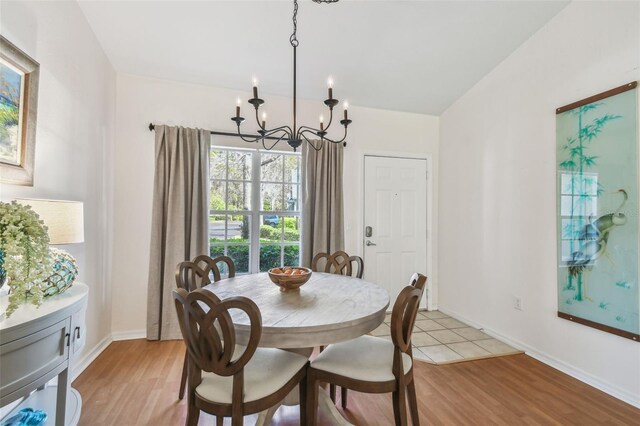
(24, 360)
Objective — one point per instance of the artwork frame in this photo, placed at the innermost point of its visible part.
(18, 116)
(597, 197)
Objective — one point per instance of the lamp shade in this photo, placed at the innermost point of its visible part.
(64, 219)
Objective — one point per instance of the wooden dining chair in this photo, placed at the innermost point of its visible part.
(374, 365)
(194, 275)
(338, 263)
(225, 379)
(210, 265)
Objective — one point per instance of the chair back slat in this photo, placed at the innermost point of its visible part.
(203, 270)
(209, 333)
(405, 310)
(211, 265)
(338, 263)
(190, 276)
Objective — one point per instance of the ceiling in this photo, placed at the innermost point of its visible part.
(414, 56)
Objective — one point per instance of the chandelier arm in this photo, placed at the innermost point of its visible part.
(277, 129)
(331, 140)
(256, 139)
(330, 120)
(307, 128)
(258, 119)
(285, 129)
(311, 143)
(315, 130)
(275, 143)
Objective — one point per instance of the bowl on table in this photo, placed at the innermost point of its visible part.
(289, 278)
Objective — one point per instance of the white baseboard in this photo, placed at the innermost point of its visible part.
(129, 335)
(86, 360)
(551, 361)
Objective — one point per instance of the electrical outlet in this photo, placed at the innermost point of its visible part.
(517, 303)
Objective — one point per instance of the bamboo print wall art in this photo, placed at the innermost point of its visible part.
(597, 199)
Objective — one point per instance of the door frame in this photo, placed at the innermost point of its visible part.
(432, 288)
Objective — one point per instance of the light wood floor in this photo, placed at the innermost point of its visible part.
(136, 382)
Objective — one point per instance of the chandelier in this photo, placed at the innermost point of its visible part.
(293, 135)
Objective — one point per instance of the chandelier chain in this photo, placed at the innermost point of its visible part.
(293, 39)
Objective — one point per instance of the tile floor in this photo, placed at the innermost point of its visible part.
(440, 339)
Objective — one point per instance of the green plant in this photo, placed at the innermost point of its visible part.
(215, 251)
(291, 255)
(25, 243)
(269, 257)
(291, 234)
(290, 222)
(240, 256)
(269, 233)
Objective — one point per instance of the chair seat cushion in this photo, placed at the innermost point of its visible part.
(366, 358)
(266, 372)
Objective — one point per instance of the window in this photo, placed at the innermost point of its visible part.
(254, 210)
(578, 207)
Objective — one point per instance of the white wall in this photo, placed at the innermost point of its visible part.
(497, 191)
(74, 134)
(141, 100)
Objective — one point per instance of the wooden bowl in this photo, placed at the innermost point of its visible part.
(289, 282)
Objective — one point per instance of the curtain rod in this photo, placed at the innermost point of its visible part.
(153, 126)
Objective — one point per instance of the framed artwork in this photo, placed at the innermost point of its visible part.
(597, 211)
(19, 76)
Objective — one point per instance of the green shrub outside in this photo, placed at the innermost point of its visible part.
(215, 251)
(291, 255)
(268, 232)
(290, 222)
(269, 256)
(240, 256)
(291, 234)
(271, 233)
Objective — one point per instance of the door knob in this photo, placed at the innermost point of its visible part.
(369, 243)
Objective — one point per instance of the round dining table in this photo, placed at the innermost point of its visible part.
(329, 308)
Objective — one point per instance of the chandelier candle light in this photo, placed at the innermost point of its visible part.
(293, 135)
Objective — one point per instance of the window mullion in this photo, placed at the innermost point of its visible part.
(255, 212)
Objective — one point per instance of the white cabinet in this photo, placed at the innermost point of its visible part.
(79, 335)
(38, 344)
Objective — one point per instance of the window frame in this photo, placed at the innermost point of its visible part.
(255, 213)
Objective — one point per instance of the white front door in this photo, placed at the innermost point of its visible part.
(395, 219)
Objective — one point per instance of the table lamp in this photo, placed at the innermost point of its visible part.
(65, 225)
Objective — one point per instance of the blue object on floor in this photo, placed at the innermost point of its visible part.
(26, 417)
